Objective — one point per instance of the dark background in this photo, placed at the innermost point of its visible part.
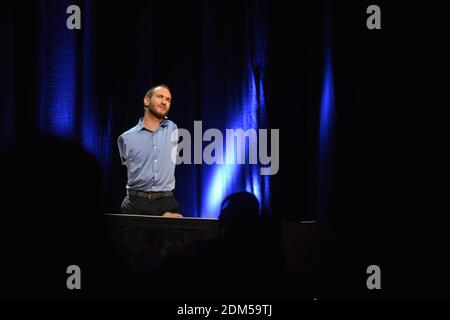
(88, 85)
(390, 96)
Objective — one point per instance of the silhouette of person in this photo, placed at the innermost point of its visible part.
(51, 220)
(245, 261)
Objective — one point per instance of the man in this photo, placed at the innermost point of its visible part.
(146, 151)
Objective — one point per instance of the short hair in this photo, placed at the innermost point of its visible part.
(150, 91)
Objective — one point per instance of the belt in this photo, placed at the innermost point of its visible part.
(150, 195)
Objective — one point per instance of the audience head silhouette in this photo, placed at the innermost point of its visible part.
(51, 218)
(239, 211)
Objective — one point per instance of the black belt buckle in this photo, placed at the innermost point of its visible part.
(154, 196)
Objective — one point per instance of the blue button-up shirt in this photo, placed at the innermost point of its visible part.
(148, 156)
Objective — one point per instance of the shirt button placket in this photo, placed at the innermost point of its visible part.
(155, 161)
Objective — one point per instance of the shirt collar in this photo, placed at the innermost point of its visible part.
(164, 122)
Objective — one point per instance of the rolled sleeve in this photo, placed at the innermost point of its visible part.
(122, 150)
(175, 136)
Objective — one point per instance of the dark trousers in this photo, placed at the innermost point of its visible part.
(141, 205)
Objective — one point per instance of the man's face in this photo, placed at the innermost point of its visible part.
(159, 103)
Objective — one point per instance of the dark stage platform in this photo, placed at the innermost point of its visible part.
(147, 240)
